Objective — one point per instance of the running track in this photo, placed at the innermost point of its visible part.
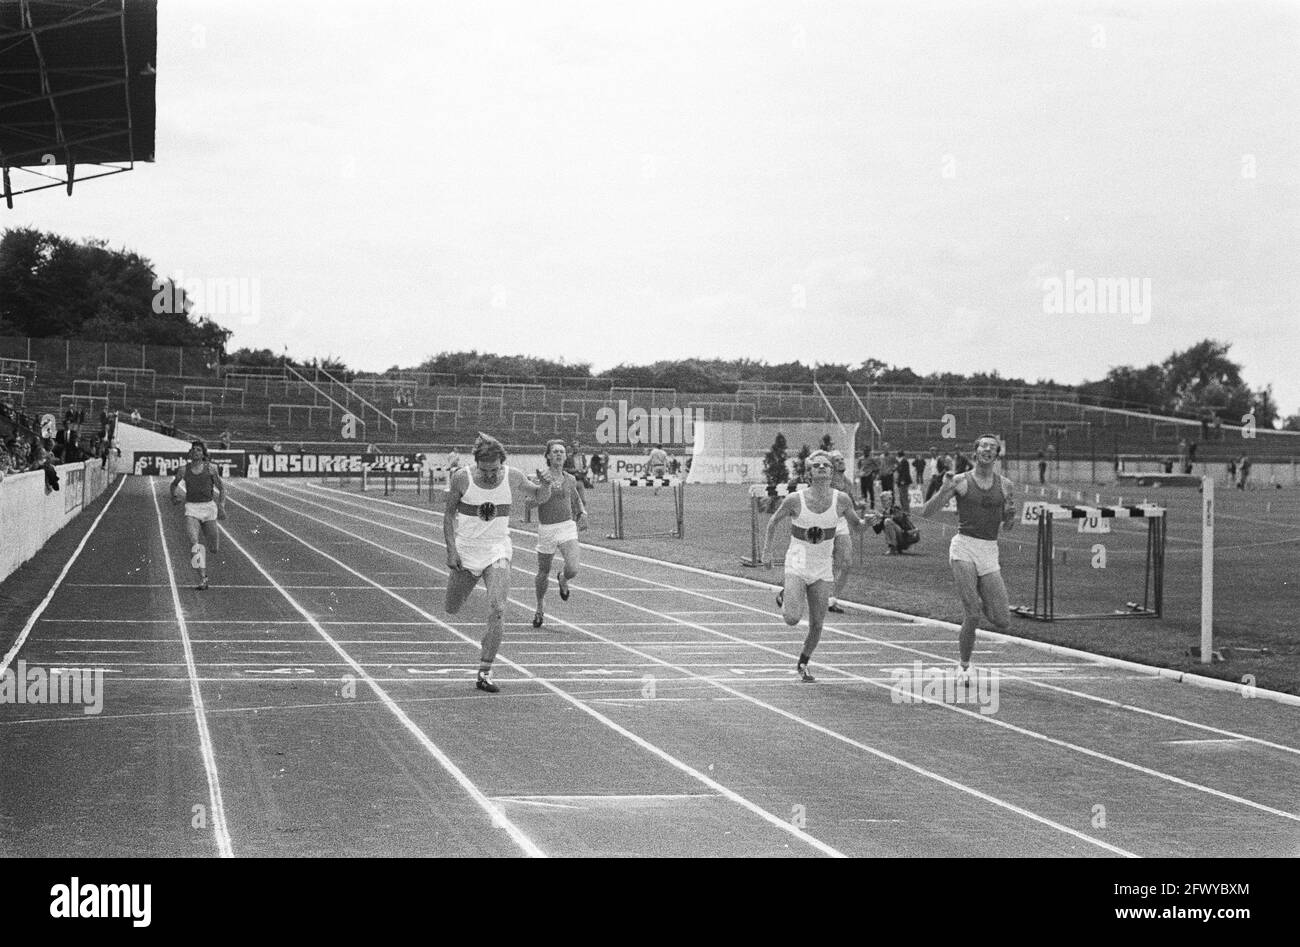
(317, 701)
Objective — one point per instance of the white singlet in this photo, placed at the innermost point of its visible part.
(481, 542)
(813, 562)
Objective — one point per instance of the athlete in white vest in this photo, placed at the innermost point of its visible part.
(476, 527)
(809, 562)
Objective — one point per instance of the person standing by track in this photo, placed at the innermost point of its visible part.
(559, 520)
(809, 562)
(205, 504)
(870, 466)
(984, 505)
(476, 529)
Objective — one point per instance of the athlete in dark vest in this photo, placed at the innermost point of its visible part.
(984, 506)
(205, 503)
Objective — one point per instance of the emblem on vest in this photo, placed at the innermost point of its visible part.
(814, 534)
(487, 511)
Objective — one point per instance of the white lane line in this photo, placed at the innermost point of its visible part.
(881, 754)
(732, 795)
(1211, 740)
(975, 715)
(219, 829)
(49, 596)
(498, 818)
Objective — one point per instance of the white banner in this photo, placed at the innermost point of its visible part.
(733, 451)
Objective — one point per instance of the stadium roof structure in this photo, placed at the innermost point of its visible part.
(76, 90)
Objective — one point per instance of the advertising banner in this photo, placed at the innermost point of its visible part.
(166, 463)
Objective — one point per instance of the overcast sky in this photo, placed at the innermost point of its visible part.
(610, 182)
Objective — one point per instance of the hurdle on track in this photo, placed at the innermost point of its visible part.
(391, 474)
(1153, 588)
(679, 502)
(758, 493)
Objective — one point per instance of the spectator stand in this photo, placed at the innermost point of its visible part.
(77, 402)
(111, 390)
(19, 366)
(222, 396)
(560, 422)
(427, 418)
(173, 405)
(135, 377)
(310, 411)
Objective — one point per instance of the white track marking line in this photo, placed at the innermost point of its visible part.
(880, 754)
(219, 828)
(646, 745)
(1215, 740)
(1137, 767)
(498, 818)
(995, 638)
(49, 596)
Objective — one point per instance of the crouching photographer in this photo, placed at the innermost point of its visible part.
(894, 522)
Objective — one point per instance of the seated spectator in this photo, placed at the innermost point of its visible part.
(897, 526)
(135, 415)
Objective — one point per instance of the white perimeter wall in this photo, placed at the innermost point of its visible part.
(29, 515)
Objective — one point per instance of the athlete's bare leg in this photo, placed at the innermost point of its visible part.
(213, 535)
(819, 594)
(543, 577)
(198, 554)
(843, 556)
(496, 578)
(968, 588)
(569, 549)
(796, 598)
(459, 584)
(996, 607)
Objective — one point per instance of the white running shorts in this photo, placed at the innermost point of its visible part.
(550, 535)
(982, 552)
(203, 512)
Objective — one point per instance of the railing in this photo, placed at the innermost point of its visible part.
(419, 413)
(349, 393)
(90, 384)
(211, 393)
(315, 387)
(115, 373)
(289, 409)
(175, 403)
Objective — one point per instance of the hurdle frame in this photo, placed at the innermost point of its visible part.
(678, 486)
(390, 475)
(1153, 586)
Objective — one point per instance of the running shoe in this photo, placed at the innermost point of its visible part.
(963, 676)
(833, 607)
(484, 682)
(537, 619)
(564, 585)
(780, 599)
(804, 677)
(203, 585)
